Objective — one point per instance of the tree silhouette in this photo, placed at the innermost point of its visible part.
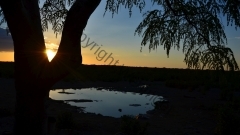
(194, 23)
(34, 74)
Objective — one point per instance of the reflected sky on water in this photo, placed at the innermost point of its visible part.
(106, 102)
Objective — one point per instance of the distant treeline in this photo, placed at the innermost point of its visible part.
(123, 73)
(7, 69)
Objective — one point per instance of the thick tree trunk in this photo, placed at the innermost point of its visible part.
(30, 114)
(34, 74)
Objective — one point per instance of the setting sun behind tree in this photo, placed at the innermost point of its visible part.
(50, 53)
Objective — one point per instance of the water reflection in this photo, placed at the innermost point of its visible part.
(107, 103)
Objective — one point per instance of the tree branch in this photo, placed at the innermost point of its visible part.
(69, 56)
(29, 44)
(32, 9)
(21, 13)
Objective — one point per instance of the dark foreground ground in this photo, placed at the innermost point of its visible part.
(188, 112)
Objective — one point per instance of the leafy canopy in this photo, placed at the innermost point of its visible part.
(196, 24)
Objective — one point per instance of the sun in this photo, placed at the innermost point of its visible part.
(50, 54)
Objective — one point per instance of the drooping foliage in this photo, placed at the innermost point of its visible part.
(194, 24)
(53, 12)
(2, 19)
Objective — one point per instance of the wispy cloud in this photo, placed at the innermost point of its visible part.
(51, 46)
(237, 37)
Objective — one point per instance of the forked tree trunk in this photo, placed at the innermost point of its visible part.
(34, 74)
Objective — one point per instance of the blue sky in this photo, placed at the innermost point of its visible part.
(116, 38)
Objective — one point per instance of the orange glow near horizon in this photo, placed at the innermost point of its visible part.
(50, 54)
(6, 56)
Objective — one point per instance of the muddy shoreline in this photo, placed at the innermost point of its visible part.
(187, 112)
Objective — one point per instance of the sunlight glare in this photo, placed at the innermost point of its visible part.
(50, 54)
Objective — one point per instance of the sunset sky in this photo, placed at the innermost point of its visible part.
(116, 38)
